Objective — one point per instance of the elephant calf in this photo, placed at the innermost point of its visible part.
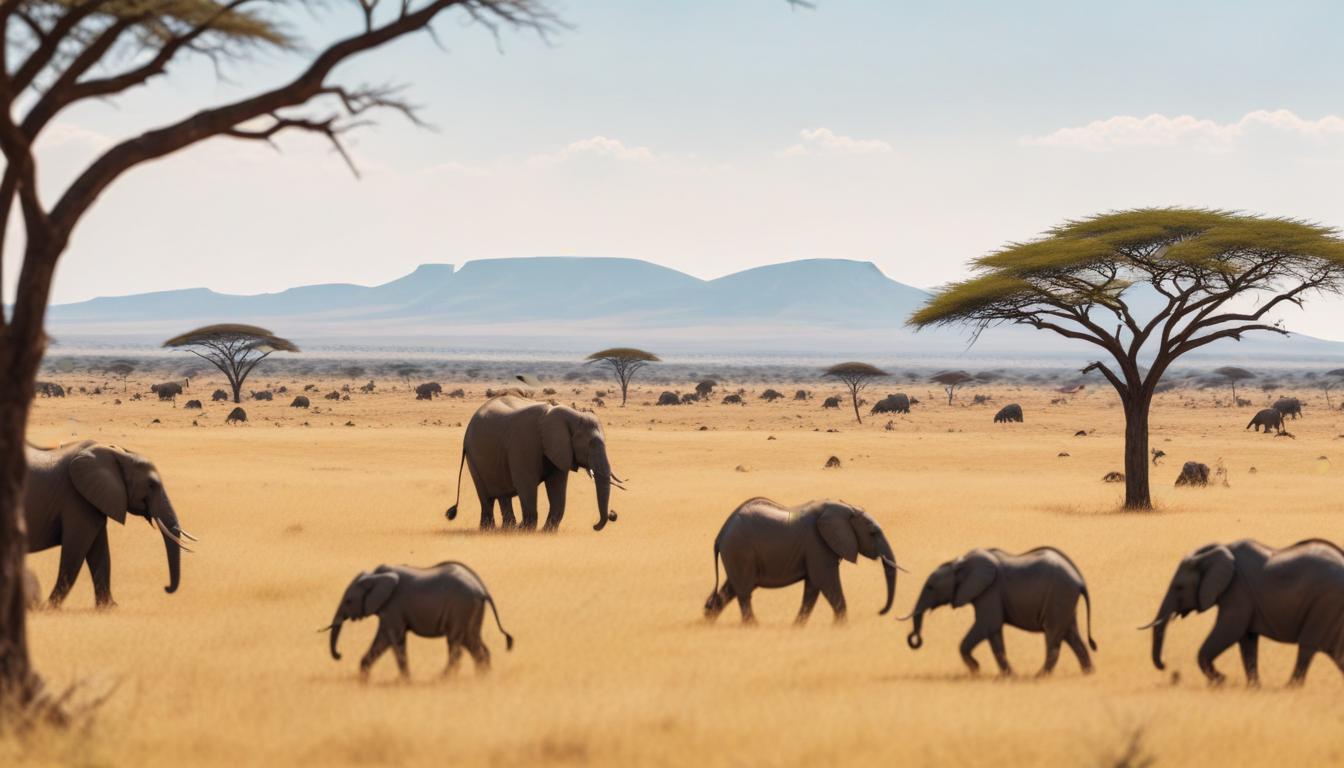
(766, 545)
(445, 600)
(1036, 591)
(1269, 418)
(1293, 595)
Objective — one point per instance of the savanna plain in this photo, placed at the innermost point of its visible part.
(614, 662)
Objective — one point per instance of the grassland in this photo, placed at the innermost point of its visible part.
(614, 664)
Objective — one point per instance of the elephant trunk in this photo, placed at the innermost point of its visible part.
(166, 519)
(335, 628)
(602, 480)
(1159, 626)
(888, 559)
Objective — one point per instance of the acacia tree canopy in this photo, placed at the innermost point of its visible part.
(234, 349)
(856, 377)
(1144, 287)
(625, 362)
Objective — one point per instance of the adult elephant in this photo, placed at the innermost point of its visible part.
(70, 494)
(764, 544)
(512, 445)
(1293, 595)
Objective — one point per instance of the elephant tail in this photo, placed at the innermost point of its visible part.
(452, 511)
(1088, 600)
(508, 639)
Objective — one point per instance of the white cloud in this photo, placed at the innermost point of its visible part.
(597, 146)
(816, 141)
(1188, 132)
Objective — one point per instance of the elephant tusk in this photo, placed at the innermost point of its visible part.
(171, 536)
(189, 536)
(1154, 623)
(893, 564)
(326, 628)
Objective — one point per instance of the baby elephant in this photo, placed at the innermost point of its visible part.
(446, 600)
(1036, 591)
(1268, 418)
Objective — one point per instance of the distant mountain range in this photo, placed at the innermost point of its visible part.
(809, 306)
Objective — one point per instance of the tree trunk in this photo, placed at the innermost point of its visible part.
(19, 685)
(237, 392)
(1137, 496)
(854, 397)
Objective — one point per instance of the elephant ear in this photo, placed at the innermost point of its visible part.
(379, 588)
(1217, 567)
(865, 533)
(96, 474)
(838, 532)
(557, 438)
(975, 572)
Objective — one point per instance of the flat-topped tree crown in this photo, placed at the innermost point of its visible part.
(625, 362)
(1194, 268)
(232, 348)
(855, 376)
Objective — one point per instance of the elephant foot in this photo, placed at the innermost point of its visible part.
(105, 605)
(1089, 669)
(1216, 679)
(550, 527)
(1047, 673)
(1006, 674)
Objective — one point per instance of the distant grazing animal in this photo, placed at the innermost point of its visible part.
(367, 388)
(237, 415)
(897, 403)
(802, 394)
(831, 402)
(169, 390)
(767, 545)
(669, 398)
(70, 494)
(1268, 418)
(309, 387)
(1037, 591)
(1193, 473)
(334, 395)
(689, 397)
(446, 600)
(50, 389)
(428, 390)
(1114, 477)
(1292, 595)
(458, 393)
(263, 395)
(193, 405)
(1158, 454)
(1288, 406)
(1010, 412)
(771, 395)
(219, 394)
(733, 399)
(300, 402)
(512, 445)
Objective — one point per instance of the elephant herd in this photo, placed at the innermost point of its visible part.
(512, 445)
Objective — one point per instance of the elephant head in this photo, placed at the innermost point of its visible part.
(365, 596)
(1201, 578)
(572, 441)
(116, 482)
(956, 582)
(849, 532)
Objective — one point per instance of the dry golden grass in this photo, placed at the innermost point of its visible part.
(614, 664)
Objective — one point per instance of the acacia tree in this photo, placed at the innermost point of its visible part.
(855, 376)
(625, 362)
(234, 349)
(952, 381)
(122, 369)
(1201, 269)
(1231, 375)
(1328, 382)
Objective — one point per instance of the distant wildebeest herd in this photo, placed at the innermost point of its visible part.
(512, 446)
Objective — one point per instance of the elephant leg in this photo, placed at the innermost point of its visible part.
(75, 546)
(487, 501)
(527, 499)
(399, 650)
(1052, 644)
(99, 560)
(556, 483)
(1250, 656)
(1305, 653)
(480, 654)
(974, 637)
(810, 593)
(377, 648)
(1219, 640)
(829, 583)
(718, 601)
(454, 657)
(1001, 655)
(1079, 648)
(507, 518)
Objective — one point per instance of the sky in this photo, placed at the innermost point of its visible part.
(714, 136)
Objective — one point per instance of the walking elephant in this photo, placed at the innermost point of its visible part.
(1268, 418)
(71, 493)
(1292, 595)
(1288, 406)
(1011, 412)
(512, 445)
(1037, 591)
(767, 545)
(446, 600)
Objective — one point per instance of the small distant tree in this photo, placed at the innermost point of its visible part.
(1330, 380)
(951, 381)
(234, 349)
(121, 369)
(408, 372)
(855, 376)
(1231, 374)
(1204, 267)
(625, 362)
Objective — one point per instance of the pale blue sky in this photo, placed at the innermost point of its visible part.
(712, 136)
